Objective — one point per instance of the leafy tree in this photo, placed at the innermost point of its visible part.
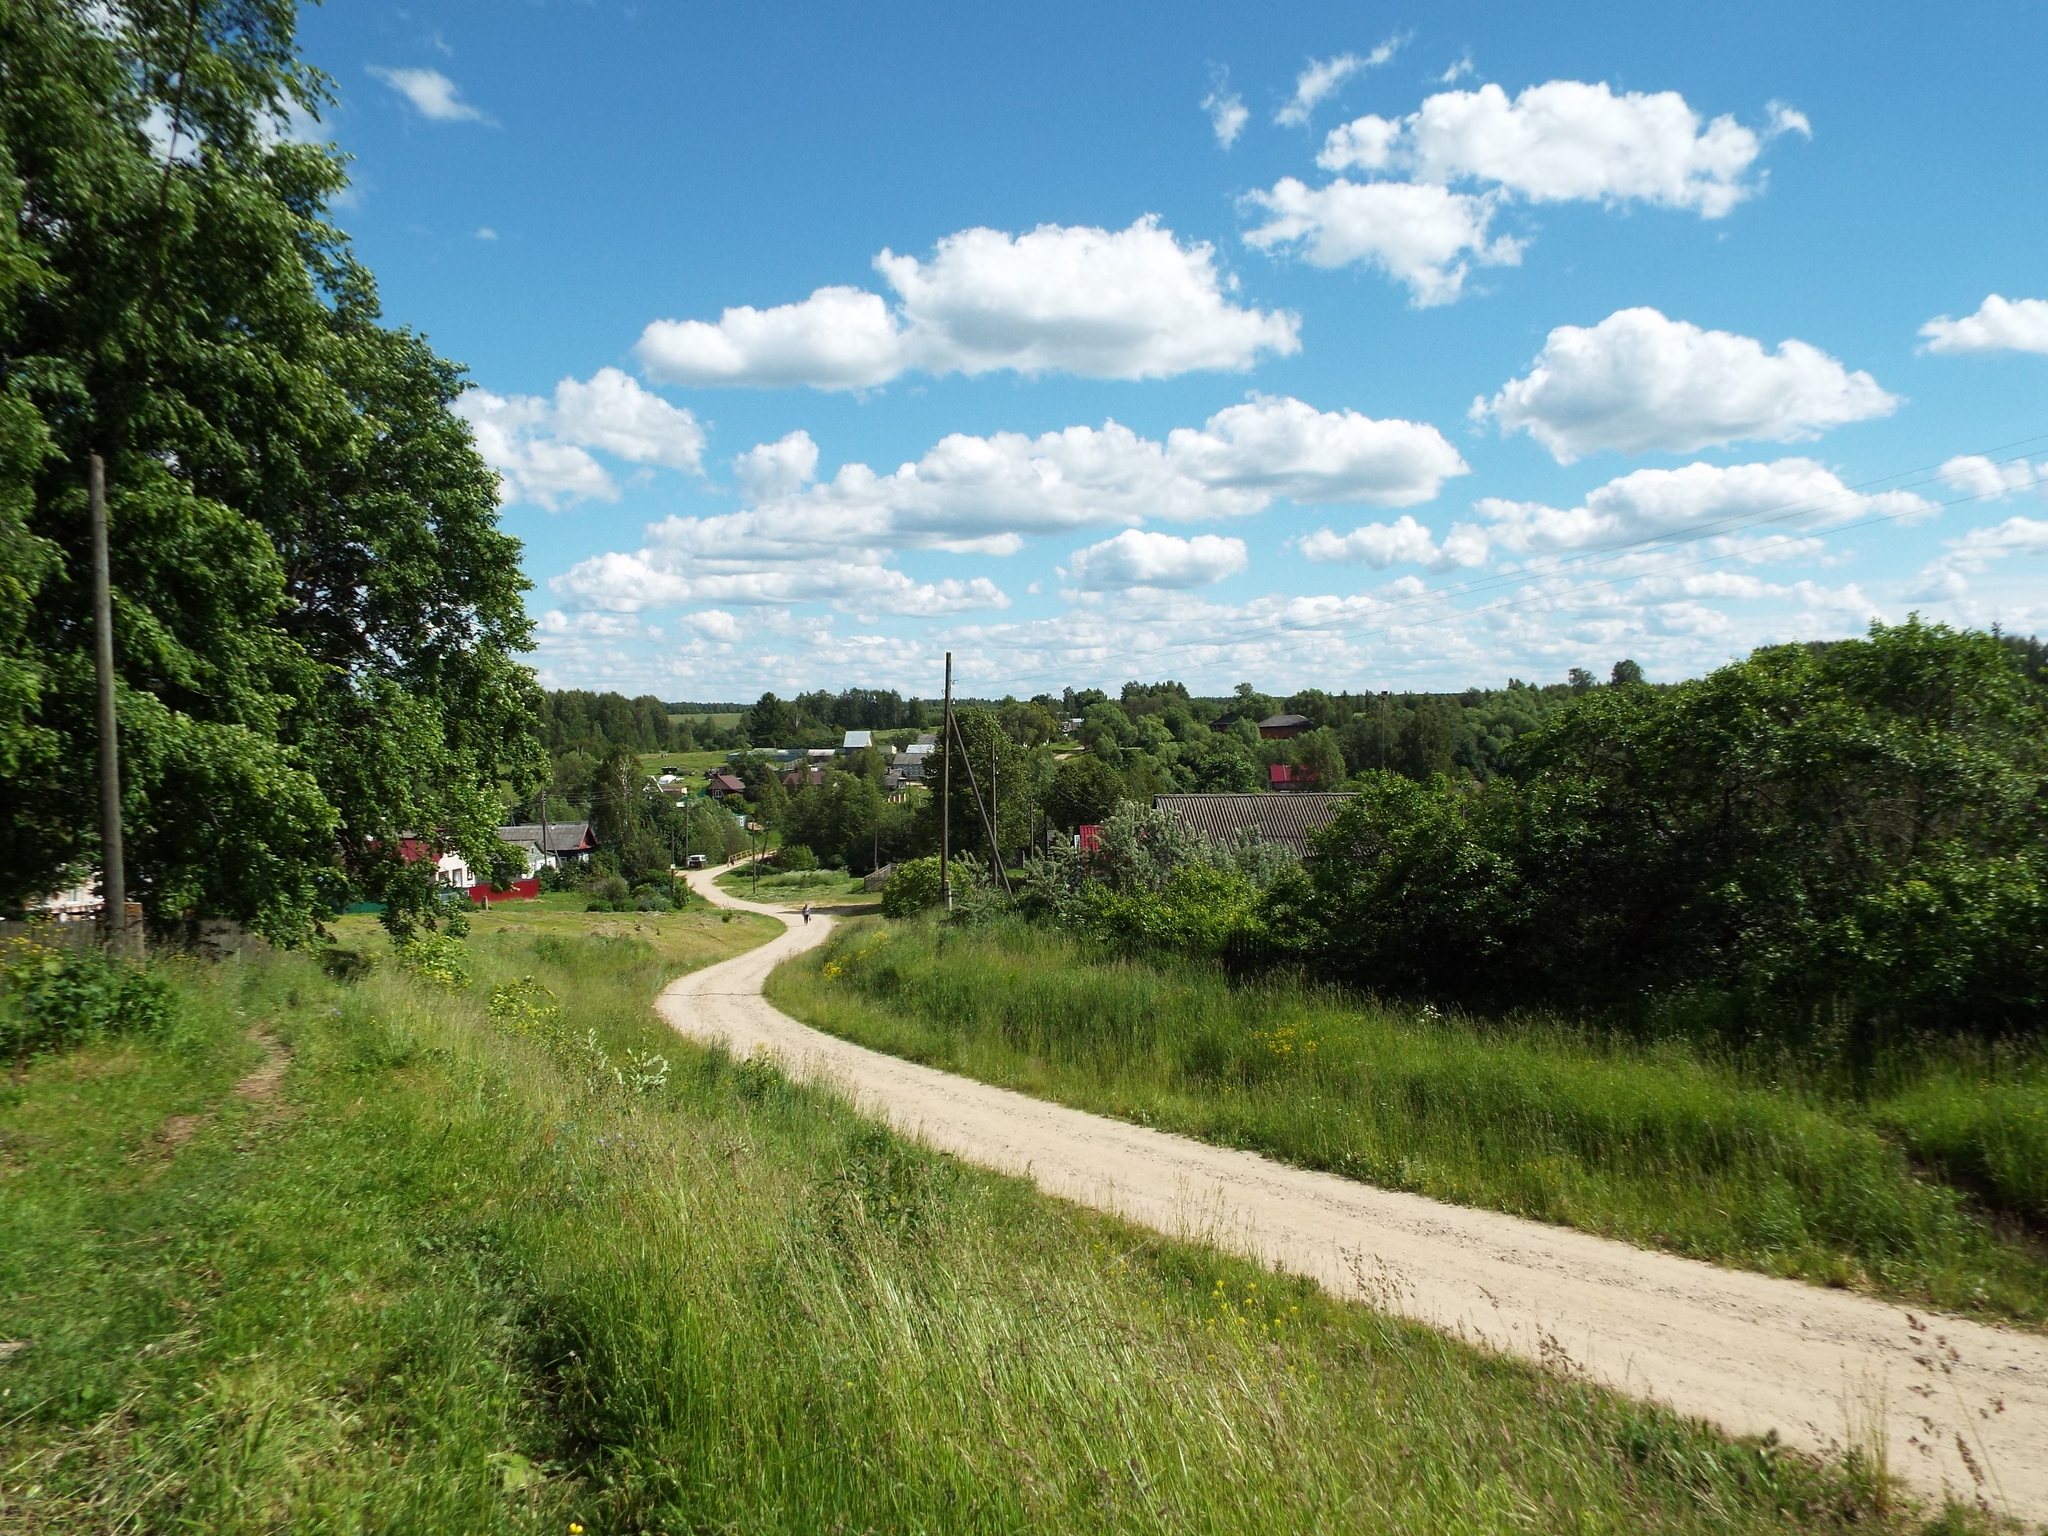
(316, 615)
(771, 722)
(1833, 842)
(1084, 791)
(1320, 754)
(1427, 740)
(1626, 672)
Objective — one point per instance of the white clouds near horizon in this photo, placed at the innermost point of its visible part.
(1640, 382)
(1126, 304)
(1999, 325)
(432, 94)
(539, 445)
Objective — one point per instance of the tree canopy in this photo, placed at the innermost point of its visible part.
(317, 617)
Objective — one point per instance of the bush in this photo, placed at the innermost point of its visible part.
(913, 888)
(795, 857)
(56, 998)
(1843, 843)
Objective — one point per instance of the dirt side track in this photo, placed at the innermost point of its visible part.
(1963, 1406)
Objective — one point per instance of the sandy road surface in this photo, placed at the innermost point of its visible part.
(1748, 1352)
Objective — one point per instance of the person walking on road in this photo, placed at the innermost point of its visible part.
(807, 914)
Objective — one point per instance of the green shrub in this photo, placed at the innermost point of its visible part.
(55, 997)
(1845, 842)
(795, 857)
(913, 888)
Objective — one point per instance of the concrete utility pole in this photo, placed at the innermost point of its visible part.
(946, 797)
(113, 865)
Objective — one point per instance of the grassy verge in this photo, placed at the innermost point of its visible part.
(489, 1266)
(1654, 1146)
(830, 885)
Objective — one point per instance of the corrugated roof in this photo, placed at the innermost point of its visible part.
(1280, 722)
(563, 836)
(1276, 818)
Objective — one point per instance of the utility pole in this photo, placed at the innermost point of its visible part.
(946, 798)
(995, 813)
(113, 865)
(1383, 730)
(546, 853)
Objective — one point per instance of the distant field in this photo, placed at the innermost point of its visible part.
(722, 722)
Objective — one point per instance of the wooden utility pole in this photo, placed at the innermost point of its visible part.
(946, 797)
(113, 865)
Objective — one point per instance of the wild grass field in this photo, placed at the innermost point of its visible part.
(476, 1245)
(1933, 1192)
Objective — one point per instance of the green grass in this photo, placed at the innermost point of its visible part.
(1655, 1146)
(457, 1279)
(835, 885)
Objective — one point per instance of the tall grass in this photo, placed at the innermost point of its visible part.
(467, 1278)
(1654, 1145)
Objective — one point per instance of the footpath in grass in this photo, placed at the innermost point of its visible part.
(1651, 1145)
(496, 1252)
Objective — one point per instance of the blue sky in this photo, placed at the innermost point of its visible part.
(1311, 345)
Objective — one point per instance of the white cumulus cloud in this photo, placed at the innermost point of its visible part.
(432, 94)
(832, 541)
(1638, 382)
(1401, 542)
(1135, 558)
(1699, 500)
(1974, 475)
(1424, 236)
(838, 338)
(1124, 304)
(1563, 141)
(1999, 325)
(539, 446)
(768, 471)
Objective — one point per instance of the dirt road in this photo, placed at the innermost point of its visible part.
(1959, 1406)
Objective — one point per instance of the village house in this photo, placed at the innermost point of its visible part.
(553, 844)
(1283, 727)
(723, 785)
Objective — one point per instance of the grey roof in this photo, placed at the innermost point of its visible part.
(1276, 818)
(857, 739)
(562, 836)
(1279, 722)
